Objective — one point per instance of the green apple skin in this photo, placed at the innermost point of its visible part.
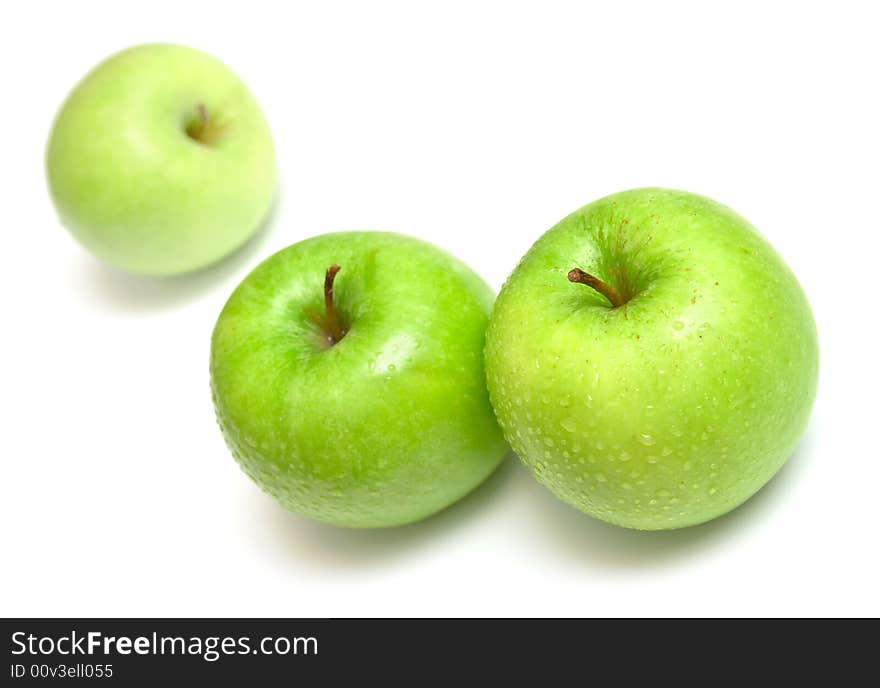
(134, 187)
(388, 425)
(676, 408)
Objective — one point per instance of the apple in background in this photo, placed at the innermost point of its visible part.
(652, 359)
(160, 161)
(347, 376)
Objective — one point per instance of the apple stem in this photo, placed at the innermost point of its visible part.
(204, 129)
(608, 291)
(335, 330)
(331, 324)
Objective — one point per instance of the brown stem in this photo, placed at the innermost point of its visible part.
(204, 129)
(608, 291)
(332, 323)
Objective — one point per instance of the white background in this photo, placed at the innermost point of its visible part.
(475, 125)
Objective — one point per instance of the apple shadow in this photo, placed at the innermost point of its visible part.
(595, 543)
(122, 291)
(342, 548)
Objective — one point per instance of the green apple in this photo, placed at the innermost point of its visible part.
(652, 359)
(160, 161)
(348, 380)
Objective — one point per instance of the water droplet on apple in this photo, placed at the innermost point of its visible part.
(601, 478)
(646, 439)
(653, 459)
(568, 424)
(678, 325)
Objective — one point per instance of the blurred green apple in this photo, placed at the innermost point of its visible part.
(160, 161)
(348, 380)
(652, 359)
